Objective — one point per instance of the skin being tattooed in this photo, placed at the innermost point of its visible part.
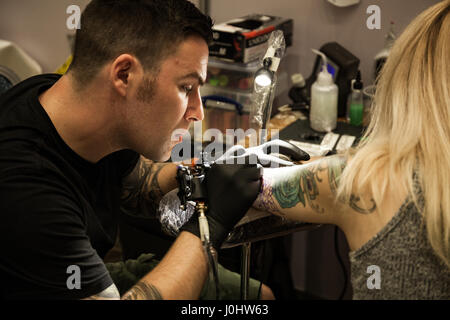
(299, 186)
(265, 200)
(305, 186)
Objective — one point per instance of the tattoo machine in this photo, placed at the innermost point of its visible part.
(192, 191)
(265, 83)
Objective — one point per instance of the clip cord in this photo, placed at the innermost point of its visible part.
(210, 252)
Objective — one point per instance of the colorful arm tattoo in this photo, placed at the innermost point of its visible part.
(292, 185)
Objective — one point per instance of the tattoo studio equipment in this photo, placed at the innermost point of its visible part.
(265, 83)
(177, 207)
(192, 192)
(341, 64)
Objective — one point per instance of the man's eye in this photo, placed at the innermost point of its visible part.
(187, 89)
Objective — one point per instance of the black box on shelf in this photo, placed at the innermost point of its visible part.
(245, 39)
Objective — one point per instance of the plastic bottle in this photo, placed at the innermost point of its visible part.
(356, 102)
(324, 100)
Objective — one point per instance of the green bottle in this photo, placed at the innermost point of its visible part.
(356, 102)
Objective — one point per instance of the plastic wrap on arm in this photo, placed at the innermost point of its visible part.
(171, 217)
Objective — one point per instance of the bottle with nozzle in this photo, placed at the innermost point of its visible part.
(324, 99)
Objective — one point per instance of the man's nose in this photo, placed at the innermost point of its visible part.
(194, 111)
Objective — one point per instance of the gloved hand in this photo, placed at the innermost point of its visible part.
(263, 154)
(232, 189)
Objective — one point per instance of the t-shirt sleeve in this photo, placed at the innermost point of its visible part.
(125, 161)
(45, 250)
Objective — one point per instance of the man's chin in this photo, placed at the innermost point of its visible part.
(157, 156)
(166, 154)
(163, 155)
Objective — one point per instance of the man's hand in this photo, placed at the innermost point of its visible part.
(232, 189)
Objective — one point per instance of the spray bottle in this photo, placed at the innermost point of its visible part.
(324, 100)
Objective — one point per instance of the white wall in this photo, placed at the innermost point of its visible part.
(39, 28)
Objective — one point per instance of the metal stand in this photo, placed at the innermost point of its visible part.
(245, 270)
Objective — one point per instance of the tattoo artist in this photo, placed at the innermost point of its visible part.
(75, 149)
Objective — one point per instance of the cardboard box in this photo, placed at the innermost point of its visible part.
(245, 39)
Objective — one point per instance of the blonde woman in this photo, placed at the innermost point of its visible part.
(390, 196)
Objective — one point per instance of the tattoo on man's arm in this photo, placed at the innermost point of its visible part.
(142, 291)
(142, 192)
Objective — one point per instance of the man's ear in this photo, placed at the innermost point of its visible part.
(123, 69)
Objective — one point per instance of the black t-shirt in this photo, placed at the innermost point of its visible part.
(57, 210)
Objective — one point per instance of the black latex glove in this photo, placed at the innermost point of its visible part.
(232, 189)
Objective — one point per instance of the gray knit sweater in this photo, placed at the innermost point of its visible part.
(399, 263)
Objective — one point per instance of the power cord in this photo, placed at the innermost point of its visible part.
(210, 252)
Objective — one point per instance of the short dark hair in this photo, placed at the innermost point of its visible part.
(148, 29)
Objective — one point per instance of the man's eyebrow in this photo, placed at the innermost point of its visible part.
(194, 75)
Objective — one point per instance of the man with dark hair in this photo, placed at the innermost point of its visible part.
(75, 149)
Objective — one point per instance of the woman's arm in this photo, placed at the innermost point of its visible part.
(306, 192)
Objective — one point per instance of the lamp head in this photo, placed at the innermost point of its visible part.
(263, 77)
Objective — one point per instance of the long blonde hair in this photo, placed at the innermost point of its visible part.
(409, 131)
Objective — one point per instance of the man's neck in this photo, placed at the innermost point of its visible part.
(84, 119)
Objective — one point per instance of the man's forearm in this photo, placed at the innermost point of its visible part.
(181, 274)
(144, 188)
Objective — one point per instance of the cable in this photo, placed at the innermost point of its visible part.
(344, 270)
(210, 252)
(213, 266)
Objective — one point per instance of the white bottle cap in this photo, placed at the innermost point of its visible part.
(298, 80)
